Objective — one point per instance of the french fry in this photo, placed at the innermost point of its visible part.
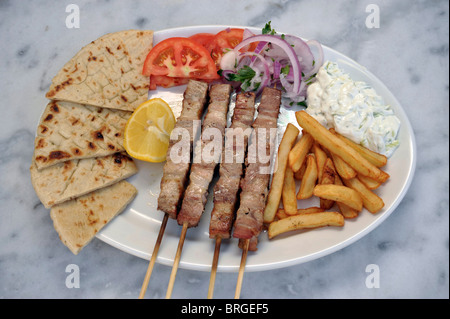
(335, 145)
(298, 175)
(342, 168)
(345, 210)
(370, 183)
(379, 160)
(338, 193)
(281, 214)
(304, 221)
(371, 201)
(310, 210)
(276, 187)
(321, 157)
(288, 193)
(328, 177)
(309, 179)
(298, 153)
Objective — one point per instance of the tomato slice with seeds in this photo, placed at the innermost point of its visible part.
(180, 58)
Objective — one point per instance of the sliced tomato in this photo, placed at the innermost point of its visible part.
(203, 38)
(180, 58)
(229, 38)
(226, 39)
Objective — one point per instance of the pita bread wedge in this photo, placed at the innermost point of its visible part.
(78, 221)
(73, 131)
(65, 181)
(107, 72)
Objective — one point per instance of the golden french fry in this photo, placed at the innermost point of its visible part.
(321, 157)
(379, 160)
(309, 179)
(328, 177)
(339, 193)
(345, 210)
(298, 175)
(281, 214)
(370, 183)
(342, 168)
(371, 201)
(310, 210)
(303, 221)
(288, 193)
(276, 187)
(298, 153)
(335, 145)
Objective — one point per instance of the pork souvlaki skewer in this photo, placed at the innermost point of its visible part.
(231, 171)
(232, 166)
(203, 166)
(254, 186)
(249, 217)
(175, 172)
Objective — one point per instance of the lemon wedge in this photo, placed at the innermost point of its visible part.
(147, 132)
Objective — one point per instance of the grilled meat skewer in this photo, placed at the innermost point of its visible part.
(203, 166)
(254, 186)
(175, 174)
(232, 167)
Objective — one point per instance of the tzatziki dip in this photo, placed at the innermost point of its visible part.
(353, 109)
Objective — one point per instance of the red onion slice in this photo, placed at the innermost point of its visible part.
(259, 47)
(247, 34)
(276, 69)
(287, 48)
(319, 61)
(302, 50)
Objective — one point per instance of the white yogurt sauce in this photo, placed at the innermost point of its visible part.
(354, 109)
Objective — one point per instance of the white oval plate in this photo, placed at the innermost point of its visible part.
(136, 229)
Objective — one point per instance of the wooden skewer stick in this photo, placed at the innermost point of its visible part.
(215, 262)
(241, 269)
(148, 274)
(176, 261)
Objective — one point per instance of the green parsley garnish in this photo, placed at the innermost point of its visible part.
(303, 103)
(268, 29)
(285, 70)
(246, 73)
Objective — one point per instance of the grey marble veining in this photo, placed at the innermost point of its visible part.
(409, 53)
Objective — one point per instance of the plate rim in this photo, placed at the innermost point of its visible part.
(302, 259)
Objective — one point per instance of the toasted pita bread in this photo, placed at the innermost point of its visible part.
(65, 181)
(70, 131)
(78, 221)
(107, 72)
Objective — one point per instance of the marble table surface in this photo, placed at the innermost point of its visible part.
(408, 51)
